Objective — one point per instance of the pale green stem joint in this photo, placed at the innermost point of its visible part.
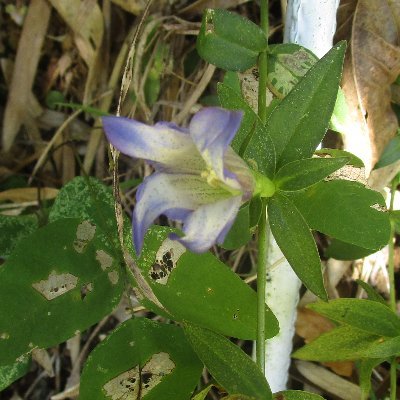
(264, 186)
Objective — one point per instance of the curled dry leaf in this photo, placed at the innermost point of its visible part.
(372, 64)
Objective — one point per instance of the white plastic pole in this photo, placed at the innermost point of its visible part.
(312, 24)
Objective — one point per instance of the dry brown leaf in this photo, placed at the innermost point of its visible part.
(28, 194)
(85, 19)
(22, 107)
(310, 325)
(372, 64)
(342, 368)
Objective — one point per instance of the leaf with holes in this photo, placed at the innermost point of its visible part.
(230, 41)
(231, 367)
(141, 359)
(60, 280)
(199, 288)
(88, 199)
(287, 65)
(325, 205)
(299, 122)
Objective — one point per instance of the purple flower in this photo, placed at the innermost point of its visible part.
(199, 180)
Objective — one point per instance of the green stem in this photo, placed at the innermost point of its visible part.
(262, 226)
(262, 66)
(261, 284)
(393, 364)
(391, 252)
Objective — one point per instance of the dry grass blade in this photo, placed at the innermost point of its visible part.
(21, 195)
(22, 106)
(195, 95)
(371, 66)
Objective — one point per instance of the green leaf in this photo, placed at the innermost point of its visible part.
(233, 100)
(372, 293)
(252, 139)
(299, 122)
(296, 395)
(86, 198)
(287, 64)
(365, 372)
(15, 228)
(260, 151)
(255, 209)
(10, 373)
(337, 153)
(340, 120)
(391, 154)
(300, 174)
(370, 316)
(346, 251)
(294, 238)
(230, 41)
(53, 98)
(233, 369)
(203, 394)
(62, 279)
(141, 359)
(239, 234)
(348, 343)
(327, 204)
(199, 288)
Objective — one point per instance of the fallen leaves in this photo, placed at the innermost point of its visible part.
(371, 66)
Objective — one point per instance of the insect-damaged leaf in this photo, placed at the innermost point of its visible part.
(230, 41)
(10, 373)
(300, 120)
(62, 279)
(141, 359)
(199, 288)
(231, 367)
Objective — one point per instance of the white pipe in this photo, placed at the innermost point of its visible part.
(312, 24)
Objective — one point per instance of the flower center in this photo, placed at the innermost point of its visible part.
(212, 179)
